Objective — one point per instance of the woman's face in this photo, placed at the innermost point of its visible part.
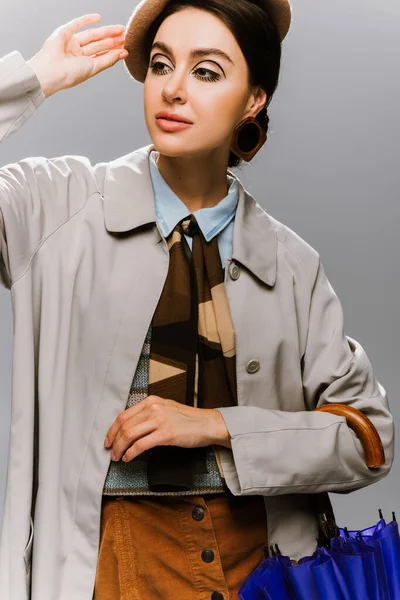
(210, 90)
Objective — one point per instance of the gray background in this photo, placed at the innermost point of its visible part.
(330, 170)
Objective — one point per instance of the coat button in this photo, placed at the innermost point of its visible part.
(217, 596)
(253, 366)
(234, 271)
(207, 556)
(198, 513)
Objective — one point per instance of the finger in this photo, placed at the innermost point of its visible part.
(131, 424)
(73, 26)
(145, 443)
(94, 35)
(102, 46)
(151, 405)
(126, 415)
(131, 437)
(107, 60)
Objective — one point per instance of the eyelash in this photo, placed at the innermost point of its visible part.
(213, 77)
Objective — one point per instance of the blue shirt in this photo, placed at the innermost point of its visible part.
(218, 220)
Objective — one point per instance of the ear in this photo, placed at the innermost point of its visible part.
(257, 101)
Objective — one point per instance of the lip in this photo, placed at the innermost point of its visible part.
(171, 126)
(165, 115)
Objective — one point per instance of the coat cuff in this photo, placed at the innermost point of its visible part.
(16, 78)
(226, 456)
(265, 443)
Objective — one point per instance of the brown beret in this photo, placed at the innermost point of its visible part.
(148, 10)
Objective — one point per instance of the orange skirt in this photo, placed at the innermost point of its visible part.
(179, 548)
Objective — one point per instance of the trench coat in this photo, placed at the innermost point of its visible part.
(85, 263)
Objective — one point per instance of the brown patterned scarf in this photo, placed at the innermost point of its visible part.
(192, 353)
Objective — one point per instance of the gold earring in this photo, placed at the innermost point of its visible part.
(252, 127)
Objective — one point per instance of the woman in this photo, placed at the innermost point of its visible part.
(171, 338)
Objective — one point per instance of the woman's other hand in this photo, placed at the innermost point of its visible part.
(156, 421)
(70, 57)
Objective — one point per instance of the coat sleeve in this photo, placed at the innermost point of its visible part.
(37, 194)
(20, 95)
(281, 452)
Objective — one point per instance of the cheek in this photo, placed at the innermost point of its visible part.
(152, 89)
(219, 111)
(151, 102)
(148, 96)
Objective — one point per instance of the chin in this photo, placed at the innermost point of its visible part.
(170, 145)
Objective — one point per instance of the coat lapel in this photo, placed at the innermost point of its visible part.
(128, 192)
(254, 238)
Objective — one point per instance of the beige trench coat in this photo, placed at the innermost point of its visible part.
(85, 262)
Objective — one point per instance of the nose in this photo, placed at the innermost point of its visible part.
(174, 89)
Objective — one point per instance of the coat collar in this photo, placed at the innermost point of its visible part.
(129, 203)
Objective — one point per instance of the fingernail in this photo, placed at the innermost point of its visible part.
(124, 458)
(106, 442)
(113, 456)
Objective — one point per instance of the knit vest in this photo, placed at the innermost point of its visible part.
(131, 478)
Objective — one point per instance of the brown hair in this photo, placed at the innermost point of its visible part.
(258, 38)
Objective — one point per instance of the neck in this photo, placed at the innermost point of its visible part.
(198, 182)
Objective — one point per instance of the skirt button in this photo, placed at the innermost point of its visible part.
(207, 556)
(198, 513)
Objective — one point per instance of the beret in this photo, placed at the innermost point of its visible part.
(148, 10)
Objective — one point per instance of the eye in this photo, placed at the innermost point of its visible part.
(211, 77)
(158, 69)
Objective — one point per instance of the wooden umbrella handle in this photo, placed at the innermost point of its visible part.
(365, 430)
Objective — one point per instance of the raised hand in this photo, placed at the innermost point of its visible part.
(70, 57)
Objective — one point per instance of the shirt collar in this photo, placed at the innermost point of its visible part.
(255, 240)
(170, 209)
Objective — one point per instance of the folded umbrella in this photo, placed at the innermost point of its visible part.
(347, 564)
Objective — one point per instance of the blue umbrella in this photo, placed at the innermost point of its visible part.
(357, 565)
(347, 565)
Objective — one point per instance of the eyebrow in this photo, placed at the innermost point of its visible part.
(196, 53)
